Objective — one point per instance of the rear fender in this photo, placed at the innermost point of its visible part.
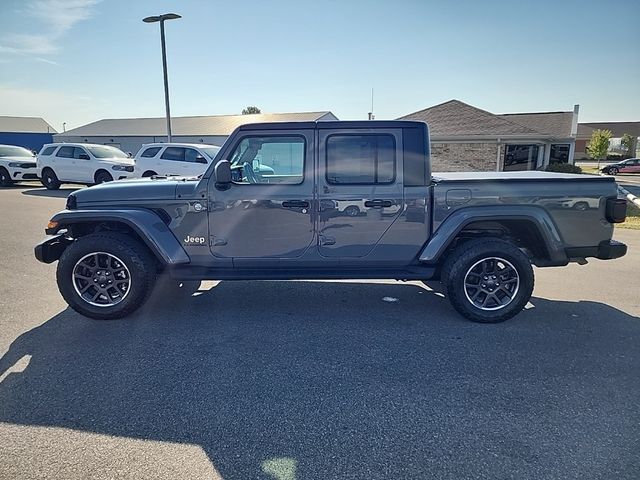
(458, 220)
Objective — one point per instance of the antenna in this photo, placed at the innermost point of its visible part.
(371, 115)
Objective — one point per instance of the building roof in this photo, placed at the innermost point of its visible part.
(617, 128)
(25, 125)
(186, 126)
(556, 124)
(455, 118)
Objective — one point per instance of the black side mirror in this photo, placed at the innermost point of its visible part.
(83, 156)
(201, 159)
(222, 172)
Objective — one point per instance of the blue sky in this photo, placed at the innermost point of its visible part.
(77, 61)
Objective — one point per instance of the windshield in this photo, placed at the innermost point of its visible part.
(11, 151)
(107, 152)
(211, 151)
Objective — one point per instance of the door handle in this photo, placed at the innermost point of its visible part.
(377, 203)
(295, 204)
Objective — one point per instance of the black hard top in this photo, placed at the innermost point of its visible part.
(333, 125)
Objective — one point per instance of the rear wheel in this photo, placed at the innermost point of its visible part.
(5, 178)
(103, 177)
(106, 275)
(50, 179)
(488, 280)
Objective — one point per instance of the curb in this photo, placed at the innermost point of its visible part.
(630, 196)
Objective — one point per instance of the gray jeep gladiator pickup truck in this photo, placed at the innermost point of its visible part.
(478, 233)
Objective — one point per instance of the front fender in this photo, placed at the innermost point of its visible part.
(454, 223)
(147, 225)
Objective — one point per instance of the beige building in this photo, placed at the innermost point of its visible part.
(466, 138)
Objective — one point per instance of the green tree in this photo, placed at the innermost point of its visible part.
(598, 146)
(250, 110)
(628, 142)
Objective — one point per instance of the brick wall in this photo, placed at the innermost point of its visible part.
(461, 157)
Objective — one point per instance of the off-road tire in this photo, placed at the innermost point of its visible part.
(102, 176)
(50, 179)
(462, 258)
(134, 255)
(5, 178)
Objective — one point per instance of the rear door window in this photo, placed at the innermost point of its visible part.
(360, 159)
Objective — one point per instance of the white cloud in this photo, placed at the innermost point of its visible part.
(54, 18)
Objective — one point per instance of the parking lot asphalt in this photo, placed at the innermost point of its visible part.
(283, 380)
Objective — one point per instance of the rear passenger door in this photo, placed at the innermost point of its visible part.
(360, 189)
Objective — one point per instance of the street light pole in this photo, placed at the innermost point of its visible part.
(161, 19)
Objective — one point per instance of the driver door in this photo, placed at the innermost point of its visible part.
(266, 213)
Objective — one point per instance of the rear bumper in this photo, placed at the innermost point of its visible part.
(607, 250)
(50, 249)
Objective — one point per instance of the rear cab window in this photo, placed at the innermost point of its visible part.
(364, 159)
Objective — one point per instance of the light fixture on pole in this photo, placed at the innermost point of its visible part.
(161, 19)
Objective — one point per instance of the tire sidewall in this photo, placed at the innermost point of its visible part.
(466, 258)
(54, 184)
(103, 177)
(133, 256)
(5, 178)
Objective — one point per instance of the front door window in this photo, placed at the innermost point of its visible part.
(269, 160)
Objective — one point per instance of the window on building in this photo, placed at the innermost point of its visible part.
(65, 152)
(559, 153)
(360, 159)
(520, 157)
(276, 159)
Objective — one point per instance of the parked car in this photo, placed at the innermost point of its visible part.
(182, 159)
(631, 165)
(16, 164)
(478, 233)
(84, 163)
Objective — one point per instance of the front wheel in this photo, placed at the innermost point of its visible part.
(613, 171)
(103, 177)
(5, 178)
(106, 275)
(488, 280)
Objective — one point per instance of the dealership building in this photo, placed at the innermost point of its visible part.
(129, 134)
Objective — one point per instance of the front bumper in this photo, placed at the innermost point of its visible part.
(50, 249)
(607, 250)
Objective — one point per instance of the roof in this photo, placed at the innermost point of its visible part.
(456, 118)
(556, 124)
(182, 126)
(25, 125)
(335, 124)
(617, 128)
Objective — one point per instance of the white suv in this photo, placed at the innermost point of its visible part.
(16, 163)
(85, 163)
(183, 159)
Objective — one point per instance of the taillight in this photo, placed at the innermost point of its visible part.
(616, 211)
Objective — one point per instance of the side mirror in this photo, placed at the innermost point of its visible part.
(83, 156)
(222, 172)
(201, 159)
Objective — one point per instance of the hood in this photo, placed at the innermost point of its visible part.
(19, 159)
(131, 191)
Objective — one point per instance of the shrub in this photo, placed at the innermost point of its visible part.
(563, 168)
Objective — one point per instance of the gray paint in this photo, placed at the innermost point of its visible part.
(250, 233)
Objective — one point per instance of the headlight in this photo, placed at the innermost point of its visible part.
(123, 168)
